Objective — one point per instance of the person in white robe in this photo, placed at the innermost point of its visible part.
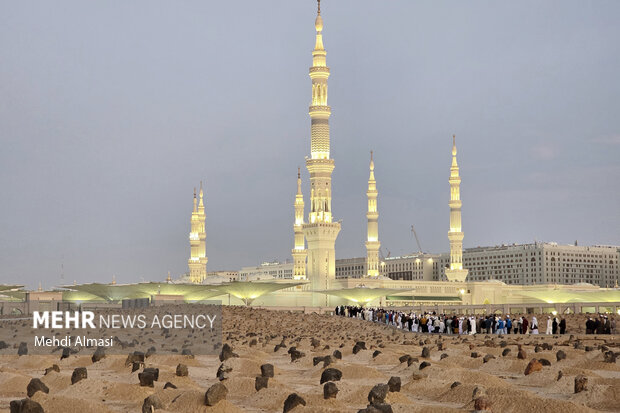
(549, 326)
(472, 321)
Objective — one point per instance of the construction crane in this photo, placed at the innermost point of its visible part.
(416, 238)
(384, 256)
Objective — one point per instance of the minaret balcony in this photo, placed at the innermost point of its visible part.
(319, 225)
(319, 110)
(320, 69)
(321, 165)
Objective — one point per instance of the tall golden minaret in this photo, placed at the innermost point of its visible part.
(320, 232)
(299, 250)
(455, 235)
(372, 242)
(197, 240)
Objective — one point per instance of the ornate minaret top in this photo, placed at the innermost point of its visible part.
(318, 23)
(372, 241)
(455, 235)
(201, 205)
(319, 111)
(455, 189)
(372, 184)
(454, 169)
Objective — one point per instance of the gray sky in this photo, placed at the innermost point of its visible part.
(111, 113)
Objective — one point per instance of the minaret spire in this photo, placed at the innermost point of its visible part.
(320, 232)
(372, 168)
(372, 241)
(197, 240)
(299, 251)
(456, 272)
(454, 163)
(201, 204)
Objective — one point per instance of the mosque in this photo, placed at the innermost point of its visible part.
(313, 281)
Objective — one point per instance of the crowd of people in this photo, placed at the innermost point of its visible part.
(601, 325)
(430, 322)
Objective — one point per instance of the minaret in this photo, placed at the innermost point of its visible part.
(372, 242)
(320, 232)
(299, 250)
(202, 235)
(455, 235)
(197, 240)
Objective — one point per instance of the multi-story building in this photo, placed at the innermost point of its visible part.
(544, 263)
(524, 264)
(224, 275)
(268, 270)
(418, 266)
(351, 268)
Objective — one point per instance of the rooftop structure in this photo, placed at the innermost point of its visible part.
(248, 291)
(363, 295)
(4, 287)
(119, 292)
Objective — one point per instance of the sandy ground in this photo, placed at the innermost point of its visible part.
(254, 334)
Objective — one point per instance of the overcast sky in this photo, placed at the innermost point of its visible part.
(111, 113)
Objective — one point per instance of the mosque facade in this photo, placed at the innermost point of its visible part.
(438, 278)
(543, 274)
(442, 277)
(320, 232)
